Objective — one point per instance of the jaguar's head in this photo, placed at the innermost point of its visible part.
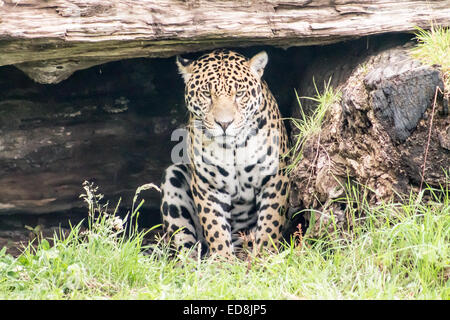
(223, 89)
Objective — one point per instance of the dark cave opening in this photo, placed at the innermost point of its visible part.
(111, 124)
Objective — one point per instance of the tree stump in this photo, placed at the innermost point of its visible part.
(376, 136)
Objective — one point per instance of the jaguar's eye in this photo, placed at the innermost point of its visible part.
(206, 94)
(240, 93)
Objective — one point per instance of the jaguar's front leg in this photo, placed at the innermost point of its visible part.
(213, 209)
(271, 204)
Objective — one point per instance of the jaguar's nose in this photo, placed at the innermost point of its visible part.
(224, 124)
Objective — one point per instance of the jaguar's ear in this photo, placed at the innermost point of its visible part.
(258, 63)
(184, 67)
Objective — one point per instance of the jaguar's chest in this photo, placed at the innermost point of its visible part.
(238, 165)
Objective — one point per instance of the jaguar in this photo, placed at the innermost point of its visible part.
(234, 183)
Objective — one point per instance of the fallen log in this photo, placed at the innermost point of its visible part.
(70, 35)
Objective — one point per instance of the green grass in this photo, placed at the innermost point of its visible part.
(397, 251)
(310, 125)
(393, 251)
(433, 47)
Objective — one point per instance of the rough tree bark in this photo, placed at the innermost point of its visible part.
(110, 124)
(49, 40)
(375, 137)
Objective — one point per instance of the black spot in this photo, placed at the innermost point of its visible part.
(185, 212)
(216, 234)
(264, 180)
(204, 219)
(264, 106)
(173, 211)
(269, 216)
(275, 223)
(178, 174)
(283, 191)
(249, 168)
(206, 210)
(222, 171)
(211, 239)
(220, 247)
(275, 205)
(278, 185)
(199, 208)
(269, 230)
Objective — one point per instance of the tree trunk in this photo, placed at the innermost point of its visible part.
(49, 40)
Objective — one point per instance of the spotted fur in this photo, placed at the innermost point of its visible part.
(234, 182)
